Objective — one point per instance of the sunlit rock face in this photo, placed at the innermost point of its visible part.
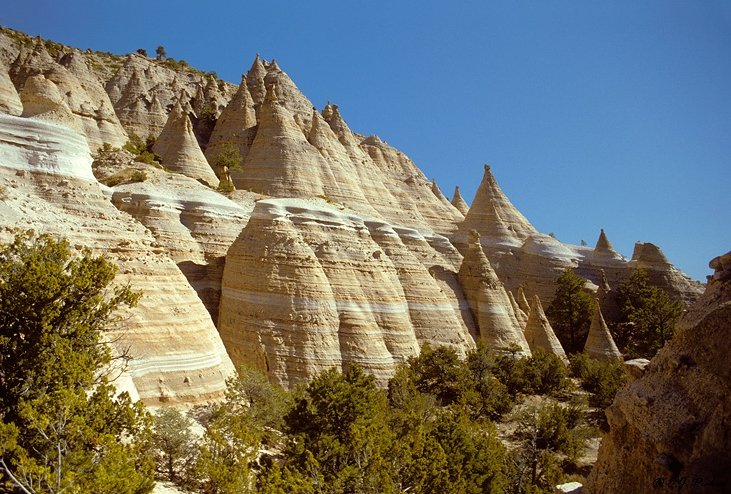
(671, 426)
(179, 150)
(45, 169)
(308, 286)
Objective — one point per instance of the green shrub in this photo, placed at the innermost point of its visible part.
(601, 378)
(541, 373)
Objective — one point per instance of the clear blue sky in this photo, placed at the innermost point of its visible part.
(593, 114)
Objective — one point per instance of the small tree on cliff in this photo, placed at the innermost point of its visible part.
(62, 429)
(161, 53)
(570, 311)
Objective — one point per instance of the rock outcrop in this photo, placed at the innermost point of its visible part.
(9, 98)
(599, 342)
(177, 353)
(179, 150)
(42, 100)
(498, 327)
(539, 333)
(670, 430)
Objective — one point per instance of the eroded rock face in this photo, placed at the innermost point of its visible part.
(177, 353)
(670, 430)
(9, 98)
(308, 286)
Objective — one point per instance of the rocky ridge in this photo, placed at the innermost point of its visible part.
(335, 248)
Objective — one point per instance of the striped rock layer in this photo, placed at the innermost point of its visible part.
(177, 353)
(307, 286)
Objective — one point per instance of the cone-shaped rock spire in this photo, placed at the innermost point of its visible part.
(603, 246)
(539, 332)
(599, 342)
(255, 80)
(489, 302)
(494, 216)
(458, 202)
(235, 125)
(179, 149)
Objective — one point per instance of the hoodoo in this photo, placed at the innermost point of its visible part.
(179, 149)
(599, 341)
(539, 333)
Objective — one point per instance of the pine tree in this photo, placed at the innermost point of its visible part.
(570, 311)
(62, 426)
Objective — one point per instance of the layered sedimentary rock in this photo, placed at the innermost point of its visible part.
(177, 353)
(194, 224)
(498, 327)
(670, 429)
(500, 225)
(539, 333)
(179, 150)
(306, 287)
(599, 342)
(458, 202)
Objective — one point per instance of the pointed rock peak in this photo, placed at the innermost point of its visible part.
(494, 215)
(599, 342)
(274, 67)
(603, 245)
(257, 65)
(522, 301)
(539, 333)
(458, 202)
(327, 112)
(271, 95)
(243, 82)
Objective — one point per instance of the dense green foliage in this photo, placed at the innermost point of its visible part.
(601, 378)
(62, 429)
(649, 316)
(570, 311)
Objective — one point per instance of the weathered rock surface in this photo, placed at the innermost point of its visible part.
(458, 202)
(179, 149)
(599, 342)
(9, 98)
(539, 333)
(45, 169)
(670, 430)
(498, 327)
(308, 286)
